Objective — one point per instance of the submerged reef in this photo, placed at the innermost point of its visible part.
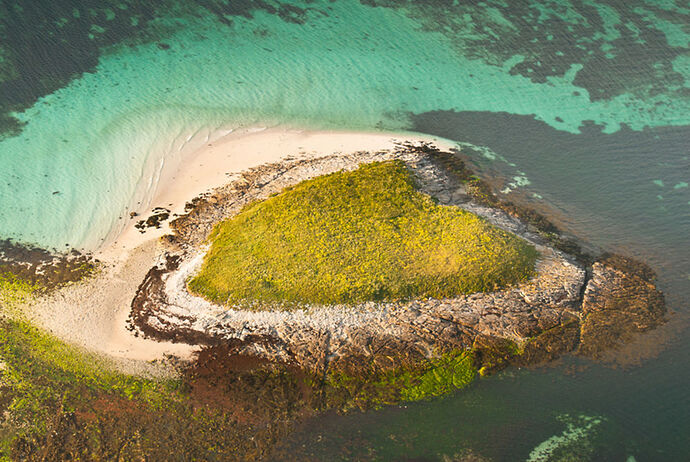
(369, 353)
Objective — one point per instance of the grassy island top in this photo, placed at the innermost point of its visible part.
(356, 236)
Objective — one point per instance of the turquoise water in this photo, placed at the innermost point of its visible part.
(347, 66)
(583, 106)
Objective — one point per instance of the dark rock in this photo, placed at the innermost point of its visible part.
(154, 221)
(620, 300)
(43, 268)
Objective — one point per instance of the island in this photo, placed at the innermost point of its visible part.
(384, 276)
(288, 284)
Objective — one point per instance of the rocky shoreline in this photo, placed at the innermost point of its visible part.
(42, 268)
(574, 303)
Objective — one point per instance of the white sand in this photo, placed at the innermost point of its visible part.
(93, 313)
(215, 164)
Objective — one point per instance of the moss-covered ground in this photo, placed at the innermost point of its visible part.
(356, 236)
(61, 403)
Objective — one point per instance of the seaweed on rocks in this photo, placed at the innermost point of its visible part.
(620, 300)
(256, 390)
(145, 302)
(62, 405)
(158, 216)
(43, 268)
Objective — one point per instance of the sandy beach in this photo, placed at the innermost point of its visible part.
(93, 314)
(216, 164)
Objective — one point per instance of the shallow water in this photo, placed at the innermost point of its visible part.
(583, 106)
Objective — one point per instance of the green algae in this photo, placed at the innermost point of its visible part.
(444, 375)
(435, 377)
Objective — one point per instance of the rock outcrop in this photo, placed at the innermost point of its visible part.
(620, 299)
(42, 268)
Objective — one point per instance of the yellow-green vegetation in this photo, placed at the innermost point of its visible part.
(41, 376)
(58, 402)
(14, 292)
(448, 373)
(436, 377)
(356, 236)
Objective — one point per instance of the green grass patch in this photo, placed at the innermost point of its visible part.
(357, 236)
(63, 403)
